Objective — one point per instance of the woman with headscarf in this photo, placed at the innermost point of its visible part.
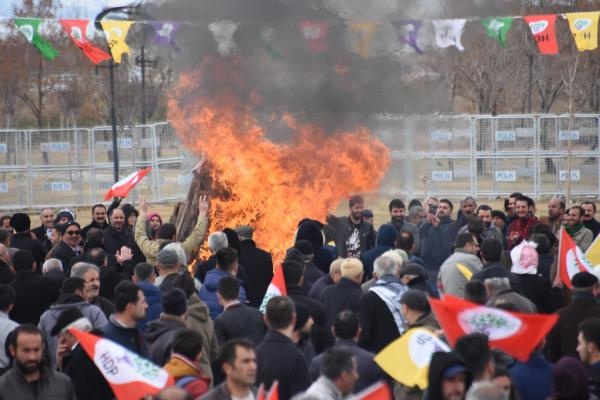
(153, 222)
(569, 380)
(536, 288)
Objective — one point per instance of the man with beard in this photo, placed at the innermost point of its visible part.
(449, 378)
(98, 220)
(117, 235)
(510, 205)
(588, 347)
(354, 235)
(91, 293)
(436, 243)
(484, 213)
(42, 232)
(397, 211)
(582, 236)
(30, 378)
(521, 226)
(556, 211)
(588, 218)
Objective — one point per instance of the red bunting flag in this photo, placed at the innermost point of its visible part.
(543, 28)
(122, 188)
(274, 391)
(76, 29)
(276, 288)
(315, 32)
(570, 259)
(515, 333)
(377, 391)
(129, 375)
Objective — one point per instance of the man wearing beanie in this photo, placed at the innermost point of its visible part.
(22, 239)
(160, 333)
(562, 339)
(345, 294)
(311, 272)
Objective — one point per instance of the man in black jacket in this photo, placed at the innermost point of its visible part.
(277, 356)
(35, 293)
(68, 247)
(98, 220)
(42, 231)
(449, 378)
(354, 236)
(22, 237)
(237, 320)
(258, 266)
(436, 238)
(345, 294)
(117, 235)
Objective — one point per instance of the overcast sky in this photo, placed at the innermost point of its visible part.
(70, 8)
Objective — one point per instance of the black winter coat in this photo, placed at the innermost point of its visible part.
(540, 292)
(240, 321)
(114, 240)
(23, 241)
(258, 266)
(377, 322)
(64, 253)
(344, 295)
(35, 294)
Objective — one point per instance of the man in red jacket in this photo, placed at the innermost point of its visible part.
(520, 228)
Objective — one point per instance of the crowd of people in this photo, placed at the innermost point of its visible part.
(351, 290)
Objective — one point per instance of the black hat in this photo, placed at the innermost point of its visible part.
(366, 213)
(415, 300)
(294, 255)
(305, 247)
(499, 214)
(63, 227)
(20, 222)
(65, 318)
(174, 302)
(584, 280)
(413, 269)
(302, 316)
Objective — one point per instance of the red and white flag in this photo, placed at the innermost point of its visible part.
(515, 333)
(315, 32)
(377, 391)
(571, 259)
(276, 288)
(76, 29)
(129, 375)
(122, 188)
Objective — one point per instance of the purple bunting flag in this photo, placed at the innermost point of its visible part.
(165, 32)
(408, 35)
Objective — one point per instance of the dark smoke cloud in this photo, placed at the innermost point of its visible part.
(393, 80)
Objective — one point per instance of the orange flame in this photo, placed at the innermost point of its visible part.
(267, 185)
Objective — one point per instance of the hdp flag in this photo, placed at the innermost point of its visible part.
(30, 27)
(362, 34)
(498, 27)
(116, 33)
(267, 34)
(122, 188)
(223, 32)
(315, 32)
(76, 28)
(407, 358)
(408, 35)
(377, 391)
(129, 375)
(584, 27)
(165, 31)
(570, 259)
(515, 333)
(543, 29)
(276, 288)
(593, 253)
(448, 32)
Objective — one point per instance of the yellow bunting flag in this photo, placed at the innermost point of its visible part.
(593, 252)
(362, 35)
(116, 32)
(465, 271)
(584, 27)
(407, 358)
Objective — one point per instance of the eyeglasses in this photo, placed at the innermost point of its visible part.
(73, 233)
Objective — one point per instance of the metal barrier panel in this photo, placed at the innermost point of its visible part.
(13, 149)
(436, 176)
(103, 145)
(14, 188)
(59, 147)
(497, 175)
(59, 187)
(554, 136)
(504, 134)
(444, 135)
(173, 179)
(555, 173)
(168, 145)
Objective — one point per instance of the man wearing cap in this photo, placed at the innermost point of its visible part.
(562, 339)
(22, 239)
(42, 232)
(345, 294)
(167, 265)
(258, 264)
(160, 333)
(69, 246)
(414, 276)
(449, 378)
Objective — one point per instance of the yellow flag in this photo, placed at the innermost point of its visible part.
(362, 33)
(584, 27)
(407, 358)
(116, 32)
(593, 252)
(465, 271)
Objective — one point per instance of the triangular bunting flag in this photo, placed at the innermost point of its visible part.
(276, 288)
(122, 188)
(448, 32)
(498, 27)
(515, 333)
(223, 32)
(584, 27)
(116, 33)
(129, 375)
(30, 27)
(362, 34)
(543, 29)
(76, 28)
(377, 391)
(593, 252)
(407, 358)
(274, 391)
(315, 32)
(408, 35)
(267, 38)
(165, 32)
(570, 259)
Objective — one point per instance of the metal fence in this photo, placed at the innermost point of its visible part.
(454, 156)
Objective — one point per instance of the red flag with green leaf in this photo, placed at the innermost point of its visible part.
(571, 259)
(76, 29)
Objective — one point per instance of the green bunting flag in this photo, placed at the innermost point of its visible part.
(498, 27)
(30, 28)
(267, 38)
